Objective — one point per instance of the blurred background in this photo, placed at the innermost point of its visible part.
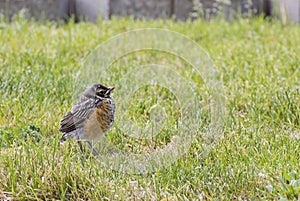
(91, 10)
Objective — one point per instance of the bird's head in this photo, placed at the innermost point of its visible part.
(98, 91)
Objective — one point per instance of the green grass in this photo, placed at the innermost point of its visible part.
(258, 158)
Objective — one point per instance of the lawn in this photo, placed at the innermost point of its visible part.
(256, 156)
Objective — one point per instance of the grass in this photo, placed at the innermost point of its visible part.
(257, 159)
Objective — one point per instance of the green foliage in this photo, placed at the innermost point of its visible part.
(258, 62)
(287, 186)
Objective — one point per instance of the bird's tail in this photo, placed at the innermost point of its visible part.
(63, 138)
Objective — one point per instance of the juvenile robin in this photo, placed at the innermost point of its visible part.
(91, 117)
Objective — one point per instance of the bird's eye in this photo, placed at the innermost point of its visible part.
(100, 93)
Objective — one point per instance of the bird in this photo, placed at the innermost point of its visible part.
(91, 117)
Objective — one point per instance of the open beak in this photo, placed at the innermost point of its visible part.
(111, 89)
(107, 93)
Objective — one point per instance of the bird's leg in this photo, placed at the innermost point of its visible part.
(95, 153)
(80, 145)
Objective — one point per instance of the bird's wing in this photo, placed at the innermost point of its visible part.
(78, 115)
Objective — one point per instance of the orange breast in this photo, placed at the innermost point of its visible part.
(100, 121)
(102, 115)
